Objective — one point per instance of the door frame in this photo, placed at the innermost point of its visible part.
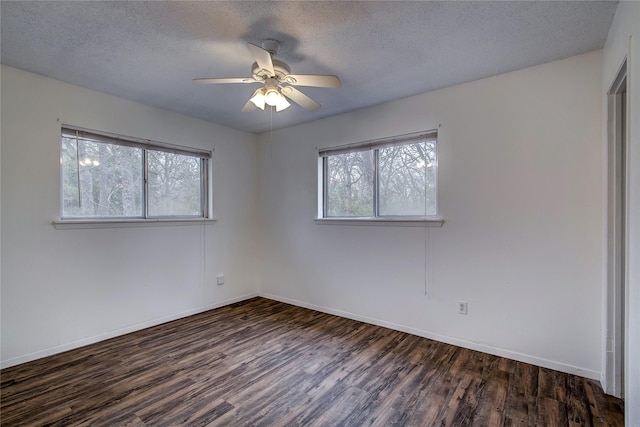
(617, 273)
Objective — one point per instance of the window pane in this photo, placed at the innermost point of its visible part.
(407, 180)
(349, 184)
(100, 180)
(174, 184)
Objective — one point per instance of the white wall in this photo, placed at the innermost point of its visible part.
(520, 180)
(624, 40)
(66, 288)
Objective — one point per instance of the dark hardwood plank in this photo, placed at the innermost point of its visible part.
(265, 363)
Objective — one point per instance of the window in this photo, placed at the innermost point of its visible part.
(389, 178)
(108, 176)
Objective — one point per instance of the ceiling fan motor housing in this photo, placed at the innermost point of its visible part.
(280, 67)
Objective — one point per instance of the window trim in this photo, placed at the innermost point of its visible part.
(382, 221)
(374, 146)
(205, 156)
(75, 224)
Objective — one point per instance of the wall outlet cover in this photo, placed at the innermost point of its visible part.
(462, 307)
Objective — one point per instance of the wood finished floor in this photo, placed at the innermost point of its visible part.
(266, 363)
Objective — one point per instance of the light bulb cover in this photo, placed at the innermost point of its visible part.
(258, 99)
(282, 104)
(272, 96)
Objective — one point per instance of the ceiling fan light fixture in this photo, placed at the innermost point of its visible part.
(258, 99)
(272, 96)
(282, 104)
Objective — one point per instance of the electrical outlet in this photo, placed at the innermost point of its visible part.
(462, 307)
(220, 279)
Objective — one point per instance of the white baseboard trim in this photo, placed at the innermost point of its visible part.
(496, 351)
(116, 333)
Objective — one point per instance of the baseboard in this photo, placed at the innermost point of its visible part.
(496, 351)
(116, 333)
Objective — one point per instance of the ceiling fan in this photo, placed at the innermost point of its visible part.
(277, 80)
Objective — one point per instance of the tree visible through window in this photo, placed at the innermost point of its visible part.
(109, 177)
(386, 178)
(350, 184)
(174, 184)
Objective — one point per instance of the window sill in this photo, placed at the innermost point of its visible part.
(396, 222)
(71, 224)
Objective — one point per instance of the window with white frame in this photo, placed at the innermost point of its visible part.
(106, 176)
(387, 178)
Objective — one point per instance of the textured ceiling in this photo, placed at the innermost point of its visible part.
(150, 51)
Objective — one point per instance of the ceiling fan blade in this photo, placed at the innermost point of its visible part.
(263, 58)
(300, 98)
(248, 107)
(312, 80)
(227, 80)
